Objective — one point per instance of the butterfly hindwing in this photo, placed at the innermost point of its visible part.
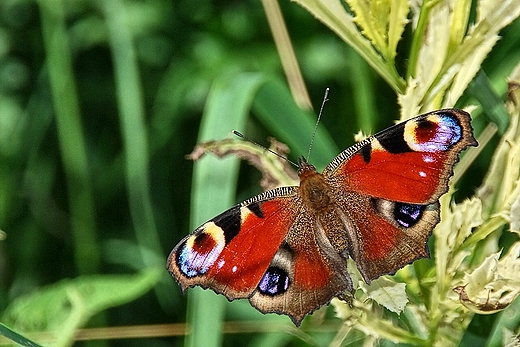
(384, 236)
(267, 250)
(305, 273)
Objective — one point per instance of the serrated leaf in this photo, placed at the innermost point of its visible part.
(510, 339)
(382, 22)
(276, 172)
(467, 70)
(501, 184)
(333, 14)
(371, 17)
(509, 266)
(456, 225)
(447, 61)
(431, 58)
(398, 19)
(492, 16)
(459, 22)
(410, 100)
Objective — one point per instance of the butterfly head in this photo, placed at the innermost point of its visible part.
(304, 168)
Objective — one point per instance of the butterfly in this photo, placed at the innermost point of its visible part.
(285, 250)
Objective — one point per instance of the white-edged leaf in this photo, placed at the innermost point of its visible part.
(456, 225)
(494, 284)
(501, 188)
(388, 293)
(398, 19)
(367, 19)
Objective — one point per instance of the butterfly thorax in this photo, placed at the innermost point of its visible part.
(313, 188)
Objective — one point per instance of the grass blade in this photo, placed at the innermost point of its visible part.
(214, 186)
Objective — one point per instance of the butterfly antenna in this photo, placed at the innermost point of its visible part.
(325, 99)
(242, 136)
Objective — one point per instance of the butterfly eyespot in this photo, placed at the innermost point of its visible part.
(407, 215)
(404, 214)
(433, 134)
(274, 282)
(200, 251)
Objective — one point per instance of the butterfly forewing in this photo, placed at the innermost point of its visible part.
(231, 252)
(408, 162)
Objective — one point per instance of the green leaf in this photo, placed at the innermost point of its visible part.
(333, 14)
(71, 136)
(275, 108)
(372, 17)
(500, 186)
(491, 102)
(382, 22)
(492, 16)
(398, 19)
(430, 60)
(459, 23)
(63, 307)
(132, 114)
(508, 321)
(515, 213)
(441, 66)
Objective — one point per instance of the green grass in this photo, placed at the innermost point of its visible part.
(100, 101)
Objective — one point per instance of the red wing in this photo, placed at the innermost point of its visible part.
(231, 252)
(387, 188)
(408, 162)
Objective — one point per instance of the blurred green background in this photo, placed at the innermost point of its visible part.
(100, 101)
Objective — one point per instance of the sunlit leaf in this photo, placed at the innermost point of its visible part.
(389, 294)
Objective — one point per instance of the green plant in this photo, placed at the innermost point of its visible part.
(100, 101)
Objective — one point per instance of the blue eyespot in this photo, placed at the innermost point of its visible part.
(274, 282)
(407, 215)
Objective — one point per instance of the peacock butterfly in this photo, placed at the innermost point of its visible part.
(377, 202)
